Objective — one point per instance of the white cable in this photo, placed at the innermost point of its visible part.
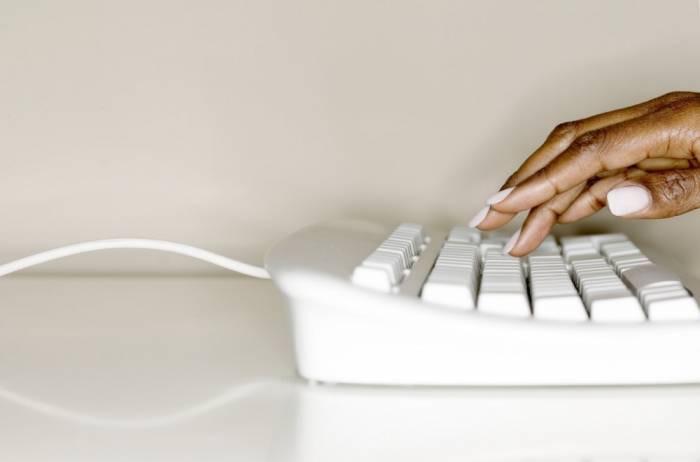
(150, 244)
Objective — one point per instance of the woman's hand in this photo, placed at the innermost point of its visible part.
(641, 161)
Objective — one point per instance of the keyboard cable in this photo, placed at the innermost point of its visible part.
(132, 243)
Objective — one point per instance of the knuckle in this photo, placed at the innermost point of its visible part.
(683, 105)
(591, 139)
(595, 202)
(565, 130)
(673, 189)
(677, 95)
(550, 206)
(544, 213)
(512, 180)
(592, 147)
(549, 176)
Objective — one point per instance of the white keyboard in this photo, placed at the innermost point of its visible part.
(412, 306)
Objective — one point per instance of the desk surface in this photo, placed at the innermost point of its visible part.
(202, 369)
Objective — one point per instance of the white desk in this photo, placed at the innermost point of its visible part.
(202, 369)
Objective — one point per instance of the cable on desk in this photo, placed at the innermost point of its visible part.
(128, 243)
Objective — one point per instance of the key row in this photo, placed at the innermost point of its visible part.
(387, 265)
(604, 277)
(660, 292)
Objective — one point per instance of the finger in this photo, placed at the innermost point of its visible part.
(617, 146)
(487, 219)
(564, 134)
(663, 163)
(608, 173)
(594, 197)
(587, 202)
(657, 163)
(539, 222)
(657, 195)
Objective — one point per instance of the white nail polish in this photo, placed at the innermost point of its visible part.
(628, 199)
(479, 217)
(511, 242)
(499, 196)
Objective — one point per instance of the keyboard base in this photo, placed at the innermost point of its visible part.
(347, 334)
(336, 347)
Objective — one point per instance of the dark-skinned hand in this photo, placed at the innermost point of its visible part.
(641, 161)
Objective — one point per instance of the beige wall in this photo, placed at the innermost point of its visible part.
(229, 124)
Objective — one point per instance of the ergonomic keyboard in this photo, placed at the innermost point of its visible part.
(412, 306)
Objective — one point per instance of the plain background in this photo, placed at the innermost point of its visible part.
(229, 124)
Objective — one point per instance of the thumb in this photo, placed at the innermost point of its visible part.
(660, 194)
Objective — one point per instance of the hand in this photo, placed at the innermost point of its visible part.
(641, 161)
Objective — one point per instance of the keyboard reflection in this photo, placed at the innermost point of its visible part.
(546, 424)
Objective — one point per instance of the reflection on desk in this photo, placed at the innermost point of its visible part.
(178, 369)
(555, 424)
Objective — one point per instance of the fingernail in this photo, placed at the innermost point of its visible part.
(628, 199)
(479, 217)
(511, 242)
(499, 196)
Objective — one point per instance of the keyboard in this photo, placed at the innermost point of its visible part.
(407, 305)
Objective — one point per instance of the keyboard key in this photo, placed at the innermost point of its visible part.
(662, 293)
(626, 262)
(553, 293)
(401, 249)
(493, 241)
(613, 250)
(578, 248)
(503, 290)
(390, 262)
(408, 239)
(600, 239)
(412, 231)
(651, 275)
(453, 281)
(372, 278)
(548, 247)
(664, 307)
(465, 235)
